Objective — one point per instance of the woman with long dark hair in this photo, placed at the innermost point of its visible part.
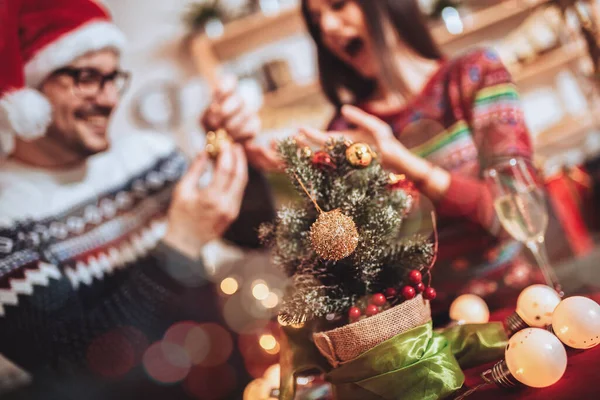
(439, 121)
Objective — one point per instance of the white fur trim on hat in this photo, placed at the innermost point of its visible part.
(92, 36)
(25, 113)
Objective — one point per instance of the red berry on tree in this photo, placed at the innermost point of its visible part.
(371, 310)
(415, 277)
(429, 293)
(420, 287)
(378, 299)
(354, 312)
(323, 159)
(408, 292)
(391, 292)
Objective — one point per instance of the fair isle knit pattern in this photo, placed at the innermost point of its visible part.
(82, 281)
(91, 239)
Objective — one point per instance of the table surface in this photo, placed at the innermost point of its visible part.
(580, 381)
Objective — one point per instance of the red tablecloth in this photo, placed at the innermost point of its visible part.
(580, 382)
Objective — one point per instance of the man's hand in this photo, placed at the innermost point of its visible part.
(197, 216)
(229, 111)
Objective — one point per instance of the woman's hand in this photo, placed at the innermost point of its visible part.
(431, 180)
(264, 158)
(370, 130)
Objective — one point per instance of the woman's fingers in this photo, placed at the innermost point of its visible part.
(314, 137)
(310, 136)
(263, 158)
(365, 120)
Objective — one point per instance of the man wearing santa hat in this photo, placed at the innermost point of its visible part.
(99, 245)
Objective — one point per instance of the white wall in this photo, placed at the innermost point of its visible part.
(155, 32)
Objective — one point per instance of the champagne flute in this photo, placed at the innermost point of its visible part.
(521, 208)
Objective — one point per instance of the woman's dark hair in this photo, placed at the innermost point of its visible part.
(404, 16)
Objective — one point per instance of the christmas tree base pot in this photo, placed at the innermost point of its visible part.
(344, 344)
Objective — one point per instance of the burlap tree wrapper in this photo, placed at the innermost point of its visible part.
(344, 344)
(393, 355)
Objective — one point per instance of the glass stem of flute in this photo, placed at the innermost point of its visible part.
(538, 248)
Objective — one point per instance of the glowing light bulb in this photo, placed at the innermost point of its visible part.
(576, 322)
(535, 306)
(469, 309)
(536, 358)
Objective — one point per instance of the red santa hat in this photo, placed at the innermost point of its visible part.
(38, 37)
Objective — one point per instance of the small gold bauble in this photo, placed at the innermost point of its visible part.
(306, 152)
(216, 141)
(334, 235)
(359, 155)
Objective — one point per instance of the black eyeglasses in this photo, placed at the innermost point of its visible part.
(91, 82)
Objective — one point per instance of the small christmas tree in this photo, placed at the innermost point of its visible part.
(343, 241)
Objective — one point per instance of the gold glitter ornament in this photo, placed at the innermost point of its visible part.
(334, 235)
(359, 155)
(216, 141)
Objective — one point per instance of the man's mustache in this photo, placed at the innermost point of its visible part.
(94, 111)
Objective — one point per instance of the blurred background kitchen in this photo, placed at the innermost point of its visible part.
(177, 47)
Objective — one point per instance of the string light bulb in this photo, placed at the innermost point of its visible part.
(535, 306)
(576, 322)
(534, 357)
(469, 309)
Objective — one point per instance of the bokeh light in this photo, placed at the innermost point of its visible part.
(220, 344)
(271, 301)
(192, 338)
(229, 286)
(257, 389)
(275, 350)
(268, 342)
(272, 376)
(260, 290)
(256, 359)
(166, 363)
(115, 353)
(197, 343)
(205, 344)
(240, 312)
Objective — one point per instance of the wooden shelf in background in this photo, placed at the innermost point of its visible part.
(291, 94)
(549, 62)
(566, 134)
(486, 17)
(249, 33)
(256, 30)
(545, 64)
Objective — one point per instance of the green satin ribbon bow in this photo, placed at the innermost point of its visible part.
(418, 364)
